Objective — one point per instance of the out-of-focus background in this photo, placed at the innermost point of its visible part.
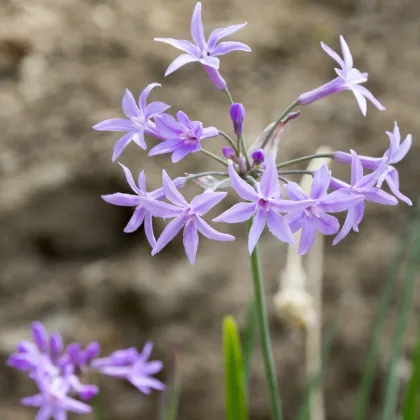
(64, 260)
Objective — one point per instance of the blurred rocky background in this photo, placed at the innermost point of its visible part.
(64, 260)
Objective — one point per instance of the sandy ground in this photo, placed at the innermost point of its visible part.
(64, 65)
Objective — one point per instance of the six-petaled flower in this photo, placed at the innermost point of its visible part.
(137, 121)
(360, 185)
(203, 51)
(181, 137)
(315, 216)
(140, 214)
(394, 154)
(186, 215)
(265, 206)
(134, 367)
(348, 78)
(53, 399)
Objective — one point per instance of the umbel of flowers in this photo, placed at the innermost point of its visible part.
(254, 175)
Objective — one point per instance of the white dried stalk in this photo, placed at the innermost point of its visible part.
(299, 298)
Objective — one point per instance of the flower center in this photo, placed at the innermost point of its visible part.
(263, 203)
(138, 121)
(189, 137)
(205, 53)
(313, 211)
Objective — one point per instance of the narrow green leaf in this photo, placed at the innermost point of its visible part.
(391, 393)
(236, 408)
(411, 403)
(169, 401)
(98, 408)
(365, 388)
(249, 339)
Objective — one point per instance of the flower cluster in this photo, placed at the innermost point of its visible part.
(252, 172)
(64, 376)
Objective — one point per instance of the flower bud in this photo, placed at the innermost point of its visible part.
(217, 80)
(87, 392)
(92, 351)
(229, 153)
(258, 156)
(56, 345)
(40, 336)
(237, 115)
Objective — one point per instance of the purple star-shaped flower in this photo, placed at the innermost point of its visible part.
(45, 347)
(134, 367)
(315, 216)
(140, 214)
(137, 122)
(203, 51)
(360, 185)
(348, 78)
(394, 154)
(53, 400)
(186, 215)
(265, 204)
(182, 137)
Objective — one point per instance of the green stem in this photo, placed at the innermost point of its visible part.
(261, 311)
(244, 151)
(213, 156)
(98, 409)
(304, 159)
(278, 121)
(231, 142)
(283, 179)
(249, 340)
(228, 94)
(295, 172)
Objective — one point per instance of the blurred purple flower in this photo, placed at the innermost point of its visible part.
(81, 358)
(137, 121)
(265, 204)
(53, 400)
(396, 152)
(360, 185)
(134, 367)
(140, 214)
(186, 215)
(29, 355)
(203, 51)
(348, 78)
(182, 137)
(315, 216)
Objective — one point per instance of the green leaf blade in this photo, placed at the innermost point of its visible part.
(236, 407)
(169, 401)
(411, 402)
